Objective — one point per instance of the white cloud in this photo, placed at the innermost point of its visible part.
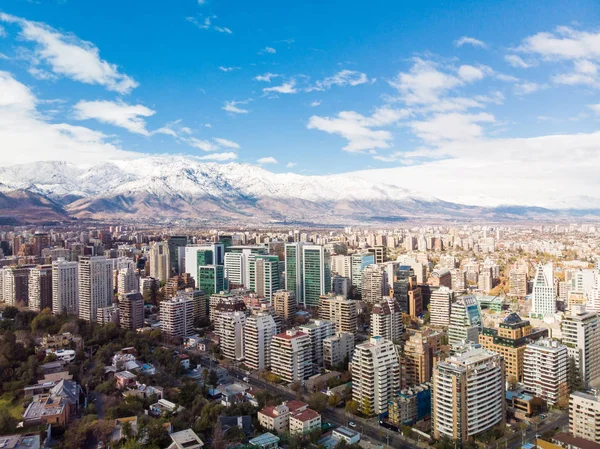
(67, 55)
(267, 160)
(205, 23)
(26, 137)
(201, 2)
(226, 143)
(285, 88)
(228, 69)
(316, 103)
(470, 73)
(231, 106)
(130, 117)
(342, 78)
(3, 32)
(595, 108)
(528, 88)
(470, 41)
(424, 83)
(173, 129)
(207, 125)
(266, 77)
(204, 145)
(483, 171)
(290, 164)
(219, 157)
(357, 129)
(451, 126)
(518, 62)
(270, 50)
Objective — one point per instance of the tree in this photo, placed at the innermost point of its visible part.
(352, 407)
(317, 401)
(213, 378)
(334, 400)
(366, 407)
(8, 424)
(574, 378)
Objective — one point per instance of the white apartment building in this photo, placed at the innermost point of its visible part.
(232, 335)
(342, 265)
(291, 355)
(258, 334)
(372, 284)
(386, 320)
(375, 375)
(543, 299)
(337, 348)
(584, 416)
(545, 370)
(340, 311)
(127, 281)
(439, 306)
(177, 316)
(581, 335)
(65, 287)
(95, 285)
(468, 393)
(40, 288)
(285, 305)
(317, 330)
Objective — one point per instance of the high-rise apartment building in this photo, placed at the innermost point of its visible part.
(581, 335)
(459, 279)
(375, 375)
(543, 299)
(468, 394)
(465, 320)
(65, 287)
(316, 275)
(386, 320)
(584, 416)
(360, 261)
(131, 310)
(258, 334)
(440, 277)
(342, 266)
(486, 281)
(340, 311)
(231, 335)
(127, 281)
(338, 349)
(317, 330)
(15, 284)
(284, 303)
(177, 317)
(159, 261)
(291, 356)
(517, 282)
(545, 372)
(372, 284)
(95, 285)
(199, 302)
(40, 288)
(422, 351)
(440, 305)
(510, 340)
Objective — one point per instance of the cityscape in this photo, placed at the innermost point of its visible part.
(299, 225)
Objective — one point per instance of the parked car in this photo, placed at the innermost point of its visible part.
(351, 424)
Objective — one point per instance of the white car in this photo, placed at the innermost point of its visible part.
(351, 424)
(246, 379)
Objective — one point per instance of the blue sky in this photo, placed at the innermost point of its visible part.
(432, 93)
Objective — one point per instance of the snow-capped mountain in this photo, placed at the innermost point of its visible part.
(169, 187)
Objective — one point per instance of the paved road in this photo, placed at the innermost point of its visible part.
(334, 415)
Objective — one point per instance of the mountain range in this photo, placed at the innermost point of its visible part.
(167, 188)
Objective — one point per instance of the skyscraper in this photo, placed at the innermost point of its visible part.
(422, 351)
(95, 285)
(468, 394)
(211, 279)
(291, 356)
(342, 265)
(465, 320)
(360, 261)
(543, 300)
(407, 292)
(264, 274)
(65, 287)
(174, 243)
(127, 281)
(375, 375)
(439, 306)
(317, 330)
(339, 310)
(316, 275)
(159, 261)
(581, 335)
(177, 317)
(40, 288)
(231, 335)
(293, 269)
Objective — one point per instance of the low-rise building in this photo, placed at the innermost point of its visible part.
(305, 421)
(185, 439)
